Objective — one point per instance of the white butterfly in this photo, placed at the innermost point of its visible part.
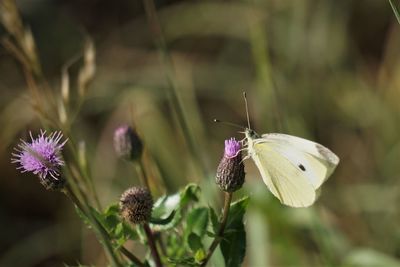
(293, 168)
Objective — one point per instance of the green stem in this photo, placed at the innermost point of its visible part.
(102, 236)
(142, 174)
(87, 180)
(395, 10)
(218, 238)
(152, 245)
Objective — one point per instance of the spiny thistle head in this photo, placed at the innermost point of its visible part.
(230, 172)
(42, 156)
(127, 143)
(136, 205)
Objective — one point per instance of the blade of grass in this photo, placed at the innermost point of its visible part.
(395, 10)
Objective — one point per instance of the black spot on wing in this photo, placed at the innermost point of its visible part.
(302, 167)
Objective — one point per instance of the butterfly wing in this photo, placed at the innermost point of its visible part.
(316, 161)
(285, 180)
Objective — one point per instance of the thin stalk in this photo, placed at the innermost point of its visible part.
(142, 174)
(86, 178)
(395, 10)
(161, 245)
(218, 238)
(152, 245)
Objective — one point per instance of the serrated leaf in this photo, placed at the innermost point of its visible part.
(233, 244)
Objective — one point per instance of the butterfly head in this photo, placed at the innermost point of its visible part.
(251, 134)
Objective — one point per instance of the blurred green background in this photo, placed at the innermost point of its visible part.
(324, 70)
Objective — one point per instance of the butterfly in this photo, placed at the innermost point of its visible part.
(293, 168)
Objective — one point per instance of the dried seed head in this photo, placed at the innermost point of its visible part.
(136, 205)
(230, 172)
(127, 143)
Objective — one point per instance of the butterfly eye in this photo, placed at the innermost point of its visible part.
(253, 134)
(302, 167)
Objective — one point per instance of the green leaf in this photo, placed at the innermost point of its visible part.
(188, 261)
(119, 230)
(161, 221)
(111, 216)
(84, 218)
(194, 242)
(214, 220)
(190, 193)
(174, 245)
(233, 245)
(175, 203)
(197, 222)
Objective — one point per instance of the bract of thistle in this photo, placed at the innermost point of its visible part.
(41, 156)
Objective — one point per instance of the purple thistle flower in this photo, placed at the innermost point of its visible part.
(42, 156)
(230, 172)
(232, 147)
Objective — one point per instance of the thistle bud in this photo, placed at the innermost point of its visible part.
(136, 205)
(127, 143)
(230, 172)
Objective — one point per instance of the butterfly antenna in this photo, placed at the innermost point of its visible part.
(230, 124)
(247, 109)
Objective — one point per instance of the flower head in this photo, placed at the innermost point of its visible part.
(42, 156)
(127, 143)
(232, 148)
(230, 172)
(136, 204)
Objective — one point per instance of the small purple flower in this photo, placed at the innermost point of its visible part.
(42, 155)
(232, 147)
